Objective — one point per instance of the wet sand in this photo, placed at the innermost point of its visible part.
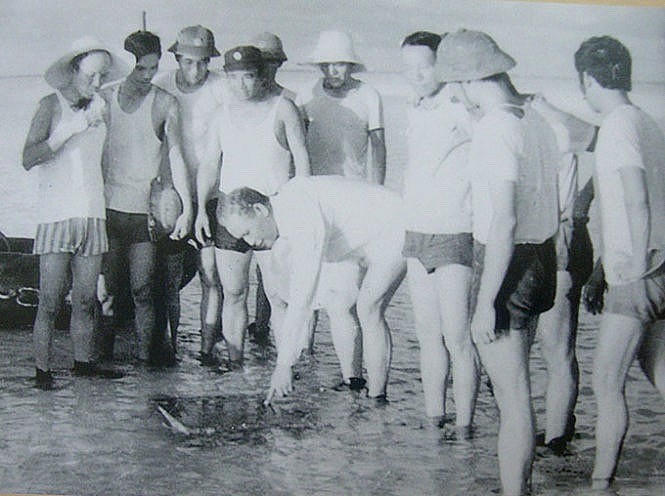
(106, 437)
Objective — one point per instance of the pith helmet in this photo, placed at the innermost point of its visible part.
(467, 55)
(270, 46)
(195, 41)
(335, 46)
(59, 75)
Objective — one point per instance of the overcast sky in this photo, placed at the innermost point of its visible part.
(541, 37)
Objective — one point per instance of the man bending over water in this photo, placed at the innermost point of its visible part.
(305, 224)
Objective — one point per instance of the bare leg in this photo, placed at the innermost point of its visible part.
(383, 277)
(453, 282)
(337, 294)
(233, 268)
(557, 330)
(262, 321)
(506, 363)
(85, 271)
(53, 282)
(652, 355)
(141, 279)
(211, 299)
(434, 363)
(618, 341)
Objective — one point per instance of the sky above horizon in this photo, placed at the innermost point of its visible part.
(542, 37)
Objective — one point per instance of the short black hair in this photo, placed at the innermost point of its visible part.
(423, 38)
(141, 43)
(241, 201)
(607, 60)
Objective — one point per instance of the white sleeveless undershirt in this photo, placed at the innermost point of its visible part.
(71, 185)
(132, 157)
(251, 155)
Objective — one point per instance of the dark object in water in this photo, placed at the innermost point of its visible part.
(19, 285)
(215, 420)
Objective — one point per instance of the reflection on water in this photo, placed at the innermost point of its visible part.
(107, 437)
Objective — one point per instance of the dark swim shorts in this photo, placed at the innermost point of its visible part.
(437, 250)
(127, 228)
(528, 288)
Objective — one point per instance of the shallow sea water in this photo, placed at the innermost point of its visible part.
(98, 437)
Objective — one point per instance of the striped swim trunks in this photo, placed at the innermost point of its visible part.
(78, 236)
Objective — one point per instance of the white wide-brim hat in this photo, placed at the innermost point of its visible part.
(59, 74)
(335, 46)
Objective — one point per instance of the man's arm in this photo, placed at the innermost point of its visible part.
(206, 179)
(498, 252)
(178, 168)
(636, 202)
(37, 149)
(294, 129)
(573, 134)
(377, 172)
(306, 257)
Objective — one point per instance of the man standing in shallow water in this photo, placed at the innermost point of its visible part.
(438, 243)
(258, 135)
(144, 118)
(199, 92)
(513, 164)
(629, 181)
(345, 136)
(65, 143)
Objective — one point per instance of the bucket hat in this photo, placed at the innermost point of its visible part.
(59, 75)
(335, 46)
(195, 41)
(467, 55)
(243, 58)
(270, 46)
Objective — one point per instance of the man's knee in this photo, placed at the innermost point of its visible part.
(369, 311)
(85, 303)
(143, 293)
(235, 294)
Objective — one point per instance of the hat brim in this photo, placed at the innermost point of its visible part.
(355, 66)
(58, 75)
(243, 66)
(194, 51)
(455, 73)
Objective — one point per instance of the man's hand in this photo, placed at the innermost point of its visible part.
(182, 225)
(202, 227)
(281, 383)
(594, 291)
(482, 324)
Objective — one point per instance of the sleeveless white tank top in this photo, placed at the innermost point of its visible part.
(132, 157)
(71, 185)
(251, 155)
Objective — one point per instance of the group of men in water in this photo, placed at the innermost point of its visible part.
(490, 229)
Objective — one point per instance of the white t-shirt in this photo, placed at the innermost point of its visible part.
(523, 151)
(196, 112)
(628, 137)
(437, 190)
(328, 219)
(338, 131)
(340, 214)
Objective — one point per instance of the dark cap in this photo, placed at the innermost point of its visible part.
(243, 58)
